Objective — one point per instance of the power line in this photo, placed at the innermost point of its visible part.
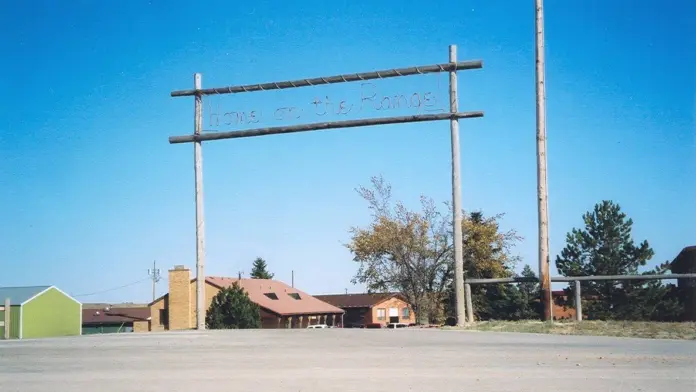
(114, 288)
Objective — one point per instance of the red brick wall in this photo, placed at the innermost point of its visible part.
(394, 302)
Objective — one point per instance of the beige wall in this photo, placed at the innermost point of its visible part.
(179, 298)
(156, 324)
(210, 292)
(394, 302)
(141, 326)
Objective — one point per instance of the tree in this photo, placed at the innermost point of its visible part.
(259, 270)
(231, 308)
(657, 301)
(412, 251)
(508, 301)
(487, 254)
(605, 247)
(529, 304)
(403, 250)
(487, 249)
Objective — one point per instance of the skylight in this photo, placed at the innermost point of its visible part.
(295, 295)
(272, 296)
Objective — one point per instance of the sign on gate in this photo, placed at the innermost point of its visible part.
(427, 105)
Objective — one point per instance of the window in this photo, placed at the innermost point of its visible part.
(381, 314)
(163, 316)
(272, 296)
(294, 295)
(405, 313)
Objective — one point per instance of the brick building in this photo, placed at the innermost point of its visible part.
(371, 309)
(281, 306)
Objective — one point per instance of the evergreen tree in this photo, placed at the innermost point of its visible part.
(259, 270)
(488, 254)
(231, 308)
(530, 306)
(605, 247)
(508, 301)
(657, 301)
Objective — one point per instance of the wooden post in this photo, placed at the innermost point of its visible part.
(469, 304)
(8, 309)
(456, 195)
(578, 301)
(542, 190)
(200, 221)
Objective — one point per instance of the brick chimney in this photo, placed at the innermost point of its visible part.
(179, 298)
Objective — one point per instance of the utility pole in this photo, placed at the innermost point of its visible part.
(542, 188)
(155, 275)
(456, 196)
(200, 220)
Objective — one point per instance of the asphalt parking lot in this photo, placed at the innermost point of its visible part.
(346, 360)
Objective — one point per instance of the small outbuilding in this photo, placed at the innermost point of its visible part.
(120, 318)
(40, 312)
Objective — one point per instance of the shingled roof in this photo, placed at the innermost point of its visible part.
(277, 297)
(363, 300)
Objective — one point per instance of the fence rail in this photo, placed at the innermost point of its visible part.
(576, 279)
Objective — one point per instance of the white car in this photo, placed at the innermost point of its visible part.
(317, 326)
(397, 325)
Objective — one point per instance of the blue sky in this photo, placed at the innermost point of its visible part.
(92, 192)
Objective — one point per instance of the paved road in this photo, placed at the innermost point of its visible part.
(346, 360)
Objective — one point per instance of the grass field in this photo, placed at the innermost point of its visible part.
(635, 329)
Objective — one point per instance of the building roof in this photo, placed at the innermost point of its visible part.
(362, 300)
(102, 305)
(685, 261)
(115, 315)
(277, 297)
(19, 295)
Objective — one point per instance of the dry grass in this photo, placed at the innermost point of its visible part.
(634, 329)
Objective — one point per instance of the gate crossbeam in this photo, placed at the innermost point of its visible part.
(321, 126)
(388, 73)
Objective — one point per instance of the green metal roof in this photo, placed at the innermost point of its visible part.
(18, 295)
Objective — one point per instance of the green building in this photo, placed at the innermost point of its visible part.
(40, 312)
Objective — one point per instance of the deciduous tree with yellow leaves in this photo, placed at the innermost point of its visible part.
(412, 251)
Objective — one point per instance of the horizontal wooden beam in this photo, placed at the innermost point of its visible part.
(387, 73)
(321, 126)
